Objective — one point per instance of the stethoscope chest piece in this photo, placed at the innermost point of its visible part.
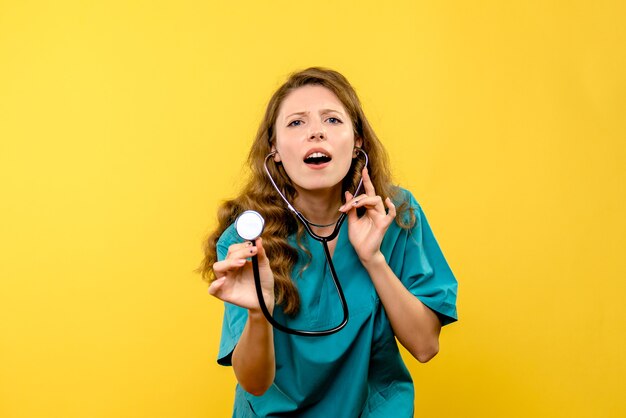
(249, 225)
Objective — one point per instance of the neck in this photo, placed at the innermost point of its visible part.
(320, 206)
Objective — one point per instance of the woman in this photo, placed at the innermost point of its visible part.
(395, 278)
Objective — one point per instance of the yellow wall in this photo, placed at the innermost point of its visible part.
(123, 124)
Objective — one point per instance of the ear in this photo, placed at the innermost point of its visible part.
(276, 155)
(357, 144)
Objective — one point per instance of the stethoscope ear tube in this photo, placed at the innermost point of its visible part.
(280, 327)
(251, 220)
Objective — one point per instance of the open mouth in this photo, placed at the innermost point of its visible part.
(317, 158)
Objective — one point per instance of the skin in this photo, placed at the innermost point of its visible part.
(312, 117)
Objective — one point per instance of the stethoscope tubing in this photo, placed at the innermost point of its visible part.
(302, 333)
(333, 273)
(299, 215)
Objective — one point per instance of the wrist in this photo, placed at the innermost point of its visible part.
(374, 261)
(257, 313)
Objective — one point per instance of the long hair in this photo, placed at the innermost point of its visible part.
(259, 195)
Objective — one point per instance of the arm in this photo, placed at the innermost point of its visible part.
(414, 324)
(253, 357)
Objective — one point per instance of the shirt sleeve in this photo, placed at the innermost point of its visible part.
(235, 317)
(425, 271)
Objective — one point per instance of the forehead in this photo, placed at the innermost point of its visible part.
(310, 98)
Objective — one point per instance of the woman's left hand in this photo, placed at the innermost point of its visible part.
(366, 233)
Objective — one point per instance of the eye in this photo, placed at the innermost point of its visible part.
(296, 122)
(333, 120)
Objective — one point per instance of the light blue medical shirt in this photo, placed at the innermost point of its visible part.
(358, 371)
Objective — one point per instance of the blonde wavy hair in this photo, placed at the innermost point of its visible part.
(259, 195)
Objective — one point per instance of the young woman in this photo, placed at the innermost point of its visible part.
(395, 279)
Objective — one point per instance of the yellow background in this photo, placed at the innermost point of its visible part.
(124, 124)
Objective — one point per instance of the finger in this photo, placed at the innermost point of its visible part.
(351, 210)
(216, 286)
(260, 250)
(243, 253)
(347, 196)
(352, 215)
(350, 201)
(392, 209)
(222, 267)
(236, 247)
(370, 202)
(367, 183)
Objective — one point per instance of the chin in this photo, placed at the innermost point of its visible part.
(318, 186)
(318, 181)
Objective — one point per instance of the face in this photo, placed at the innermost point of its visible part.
(314, 138)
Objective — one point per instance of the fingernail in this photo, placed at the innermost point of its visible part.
(355, 202)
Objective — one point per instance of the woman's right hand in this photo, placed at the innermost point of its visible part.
(234, 281)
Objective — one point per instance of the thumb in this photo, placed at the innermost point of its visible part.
(215, 287)
(261, 251)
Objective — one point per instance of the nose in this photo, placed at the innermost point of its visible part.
(317, 133)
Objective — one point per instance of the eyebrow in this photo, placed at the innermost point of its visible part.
(322, 111)
(296, 114)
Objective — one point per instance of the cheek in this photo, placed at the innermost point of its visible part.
(287, 153)
(282, 144)
(348, 143)
(344, 156)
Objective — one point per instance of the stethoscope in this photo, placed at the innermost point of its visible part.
(249, 225)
